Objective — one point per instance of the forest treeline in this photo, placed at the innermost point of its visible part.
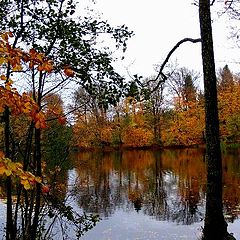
(173, 115)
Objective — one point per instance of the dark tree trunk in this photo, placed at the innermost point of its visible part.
(215, 226)
(38, 186)
(10, 233)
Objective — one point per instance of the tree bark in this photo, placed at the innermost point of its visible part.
(215, 227)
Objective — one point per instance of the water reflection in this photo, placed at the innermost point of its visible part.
(167, 185)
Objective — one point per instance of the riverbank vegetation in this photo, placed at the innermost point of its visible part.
(172, 116)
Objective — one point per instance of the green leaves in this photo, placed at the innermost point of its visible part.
(49, 27)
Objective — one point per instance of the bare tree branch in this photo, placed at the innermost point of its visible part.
(228, 6)
(213, 1)
(160, 72)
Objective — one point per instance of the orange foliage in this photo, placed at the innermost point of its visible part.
(106, 134)
(137, 137)
(54, 108)
(13, 58)
(68, 72)
(229, 111)
(84, 133)
(187, 126)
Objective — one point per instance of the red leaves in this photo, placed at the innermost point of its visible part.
(62, 120)
(45, 189)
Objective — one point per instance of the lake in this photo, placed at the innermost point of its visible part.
(146, 195)
(150, 194)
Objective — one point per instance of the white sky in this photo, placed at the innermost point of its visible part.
(158, 25)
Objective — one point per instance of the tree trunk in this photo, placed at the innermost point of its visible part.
(10, 233)
(215, 226)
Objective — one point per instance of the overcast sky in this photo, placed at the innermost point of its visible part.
(158, 25)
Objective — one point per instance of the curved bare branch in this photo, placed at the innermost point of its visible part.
(160, 72)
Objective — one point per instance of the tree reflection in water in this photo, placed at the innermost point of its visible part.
(167, 185)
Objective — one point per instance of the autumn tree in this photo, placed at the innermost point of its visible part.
(24, 172)
(56, 138)
(57, 30)
(154, 106)
(215, 226)
(182, 83)
(225, 79)
(16, 104)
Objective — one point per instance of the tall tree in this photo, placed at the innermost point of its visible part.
(225, 79)
(215, 227)
(154, 108)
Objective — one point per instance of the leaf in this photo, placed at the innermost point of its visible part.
(17, 68)
(3, 77)
(2, 169)
(8, 172)
(62, 120)
(69, 72)
(40, 68)
(38, 179)
(27, 185)
(38, 125)
(2, 154)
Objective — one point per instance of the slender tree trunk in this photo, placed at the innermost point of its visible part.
(215, 226)
(37, 162)
(38, 186)
(9, 223)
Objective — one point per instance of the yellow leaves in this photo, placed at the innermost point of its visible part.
(46, 66)
(23, 104)
(8, 86)
(38, 179)
(9, 168)
(106, 134)
(6, 35)
(186, 127)
(25, 184)
(17, 68)
(2, 59)
(39, 60)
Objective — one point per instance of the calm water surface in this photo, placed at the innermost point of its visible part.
(150, 194)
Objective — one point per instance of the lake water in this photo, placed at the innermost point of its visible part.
(150, 194)
(147, 195)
